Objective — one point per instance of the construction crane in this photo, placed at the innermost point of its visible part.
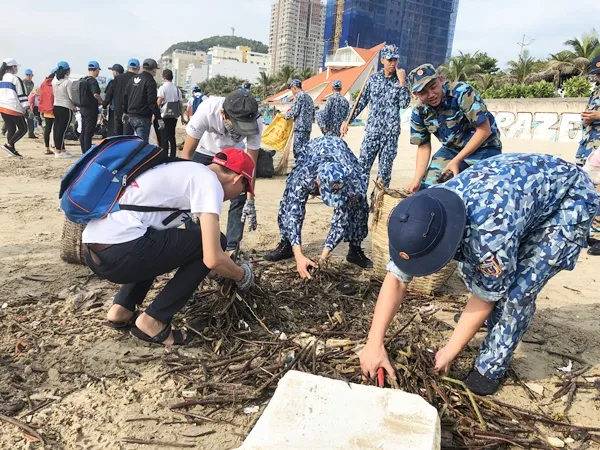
(339, 17)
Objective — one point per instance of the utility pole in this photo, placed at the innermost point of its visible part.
(232, 31)
(522, 44)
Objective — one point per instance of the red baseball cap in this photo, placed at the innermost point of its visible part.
(238, 161)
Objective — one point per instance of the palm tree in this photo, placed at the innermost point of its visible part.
(461, 67)
(266, 83)
(285, 76)
(486, 81)
(587, 47)
(520, 70)
(566, 63)
(305, 74)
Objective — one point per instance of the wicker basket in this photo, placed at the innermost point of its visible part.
(70, 242)
(385, 202)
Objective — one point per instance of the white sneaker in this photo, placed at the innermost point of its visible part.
(63, 155)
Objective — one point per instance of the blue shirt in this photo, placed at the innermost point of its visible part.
(303, 112)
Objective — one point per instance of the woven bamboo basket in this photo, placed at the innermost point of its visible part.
(385, 202)
(70, 242)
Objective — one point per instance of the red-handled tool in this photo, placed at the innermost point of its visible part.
(380, 377)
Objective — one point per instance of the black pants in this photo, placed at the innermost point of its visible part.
(49, 121)
(110, 123)
(16, 128)
(62, 120)
(136, 264)
(118, 123)
(234, 219)
(168, 137)
(88, 129)
(30, 116)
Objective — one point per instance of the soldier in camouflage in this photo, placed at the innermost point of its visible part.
(331, 166)
(591, 119)
(458, 117)
(303, 113)
(332, 116)
(387, 94)
(511, 222)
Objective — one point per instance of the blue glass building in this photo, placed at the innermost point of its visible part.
(422, 29)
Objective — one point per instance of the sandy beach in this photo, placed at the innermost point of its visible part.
(69, 359)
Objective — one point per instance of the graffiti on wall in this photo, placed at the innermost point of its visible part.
(544, 126)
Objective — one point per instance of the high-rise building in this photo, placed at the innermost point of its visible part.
(423, 30)
(296, 36)
(178, 61)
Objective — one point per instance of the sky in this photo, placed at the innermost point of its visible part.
(112, 31)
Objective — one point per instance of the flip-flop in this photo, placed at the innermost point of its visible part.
(49, 152)
(178, 337)
(122, 325)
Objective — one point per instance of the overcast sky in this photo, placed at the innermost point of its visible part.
(40, 33)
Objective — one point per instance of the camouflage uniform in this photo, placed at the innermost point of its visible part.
(387, 99)
(453, 122)
(527, 218)
(591, 134)
(350, 215)
(333, 114)
(303, 113)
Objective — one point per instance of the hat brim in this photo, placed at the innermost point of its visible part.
(424, 82)
(444, 251)
(245, 128)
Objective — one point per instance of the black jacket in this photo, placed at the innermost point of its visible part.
(139, 99)
(115, 91)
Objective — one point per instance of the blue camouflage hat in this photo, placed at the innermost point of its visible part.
(336, 84)
(133, 63)
(296, 83)
(421, 76)
(425, 230)
(332, 177)
(390, 52)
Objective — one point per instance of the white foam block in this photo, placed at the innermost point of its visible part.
(313, 412)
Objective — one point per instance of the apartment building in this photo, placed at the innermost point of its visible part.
(179, 61)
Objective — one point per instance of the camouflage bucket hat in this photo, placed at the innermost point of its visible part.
(390, 52)
(332, 178)
(421, 76)
(295, 83)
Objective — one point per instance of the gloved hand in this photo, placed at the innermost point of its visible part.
(161, 124)
(247, 280)
(249, 215)
(125, 119)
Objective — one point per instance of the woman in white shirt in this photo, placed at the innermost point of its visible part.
(63, 107)
(13, 104)
(170, 103)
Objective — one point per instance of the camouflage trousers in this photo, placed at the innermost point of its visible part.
(586, 146)
(444, 155)
(301, 138)
(386, 147)
(545, 253)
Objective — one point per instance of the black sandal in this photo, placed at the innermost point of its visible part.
(179, 338)
(122, 325)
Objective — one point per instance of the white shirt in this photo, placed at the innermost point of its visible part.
(62, 93)
(193, 97)
(207, 125)
(169, 93)
(183, 185)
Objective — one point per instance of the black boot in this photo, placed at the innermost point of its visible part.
(283, 251)
(594, 249)
(358, 257)
(481, 385)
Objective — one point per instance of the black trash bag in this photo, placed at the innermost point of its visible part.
(265, 167)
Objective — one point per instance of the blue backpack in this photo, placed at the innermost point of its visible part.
(196, 103)
(92, 187)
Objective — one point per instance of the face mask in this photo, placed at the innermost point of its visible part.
(236, 137)
(197, 94)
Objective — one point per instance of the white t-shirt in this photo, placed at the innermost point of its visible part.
(207, 125)
(191, 99)
(183, 185)
(169, 93)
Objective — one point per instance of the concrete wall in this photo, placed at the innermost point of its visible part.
(554, 120)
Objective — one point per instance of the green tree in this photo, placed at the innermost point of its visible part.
(285, 76)
(460, 67)
(265, 85)
(305, 74)
(220, 85)
(587, 47)
(566, 63)
(486, 81)
(577, 87)
(487, 64)
(224, 41)
(521, 69)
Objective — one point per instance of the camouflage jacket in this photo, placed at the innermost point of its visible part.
(303, 112)
(333, 114)
(454, 120)
(591, 133)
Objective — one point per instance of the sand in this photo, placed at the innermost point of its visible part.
(79, 366)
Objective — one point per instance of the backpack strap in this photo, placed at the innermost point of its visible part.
(170, 218)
